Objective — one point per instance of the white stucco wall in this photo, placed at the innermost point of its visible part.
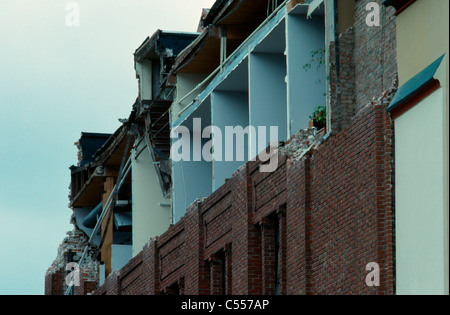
(229, 108)
(422, 37)
(191, 176)
(150, 218)
(186, 82)
(144, 72)
(191, 179)
(420, 194)
(267, 94)
(305, 88)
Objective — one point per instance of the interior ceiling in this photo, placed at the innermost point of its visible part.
(91, 195)
(207, 59)
(116, 157)
(241, 21)
(93, 190)
(250, 12)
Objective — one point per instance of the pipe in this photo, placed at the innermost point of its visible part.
(91, 219)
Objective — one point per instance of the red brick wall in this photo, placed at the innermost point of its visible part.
(54, 282)
(350, 203)
(375, 53)
(130, 277)
(333, 208)
(367, 64)
(297, 209)
(75, 242)
(344, 108)
(89, 274)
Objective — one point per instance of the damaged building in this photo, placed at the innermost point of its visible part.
(346, 194)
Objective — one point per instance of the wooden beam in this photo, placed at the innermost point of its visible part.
(107, 229)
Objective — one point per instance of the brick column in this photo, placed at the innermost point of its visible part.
(229, 269)
(181, 286)
(308, 228)
(283, 250)
(246, 237)
(268, 255)
(151, 270)
(295, 227)
(384, 201)
(197, 272)
(54, 282)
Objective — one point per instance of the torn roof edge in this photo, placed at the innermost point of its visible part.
(150, 42)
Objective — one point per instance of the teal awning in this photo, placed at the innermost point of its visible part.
(416, 84)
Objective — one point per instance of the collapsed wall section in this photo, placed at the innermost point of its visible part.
(362, 61)
(310, 227)
(71, 250)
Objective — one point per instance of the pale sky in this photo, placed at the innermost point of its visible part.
(57, 81)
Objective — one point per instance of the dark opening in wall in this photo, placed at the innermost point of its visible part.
(220, 265)
(174, 289)
(218, 272)
(273, 238)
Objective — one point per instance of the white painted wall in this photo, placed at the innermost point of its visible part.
(267, 93)
(422, 37)
(421, 211)
(229, 108)
(186, 82)
(144, 72)
(305, 89)
(191, 179)
(149, 218)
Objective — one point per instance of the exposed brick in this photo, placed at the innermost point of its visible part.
(333, 209)
(332, 201)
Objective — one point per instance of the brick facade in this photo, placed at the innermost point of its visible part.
(55, 277)
(330, 210)
(375, 53)
(310, 227)
(54, 282)
(342, 108)
(367, 63)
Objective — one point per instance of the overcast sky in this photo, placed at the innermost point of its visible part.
(55, 82)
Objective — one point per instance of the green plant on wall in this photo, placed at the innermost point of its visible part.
(319, 116)
(317, 57)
